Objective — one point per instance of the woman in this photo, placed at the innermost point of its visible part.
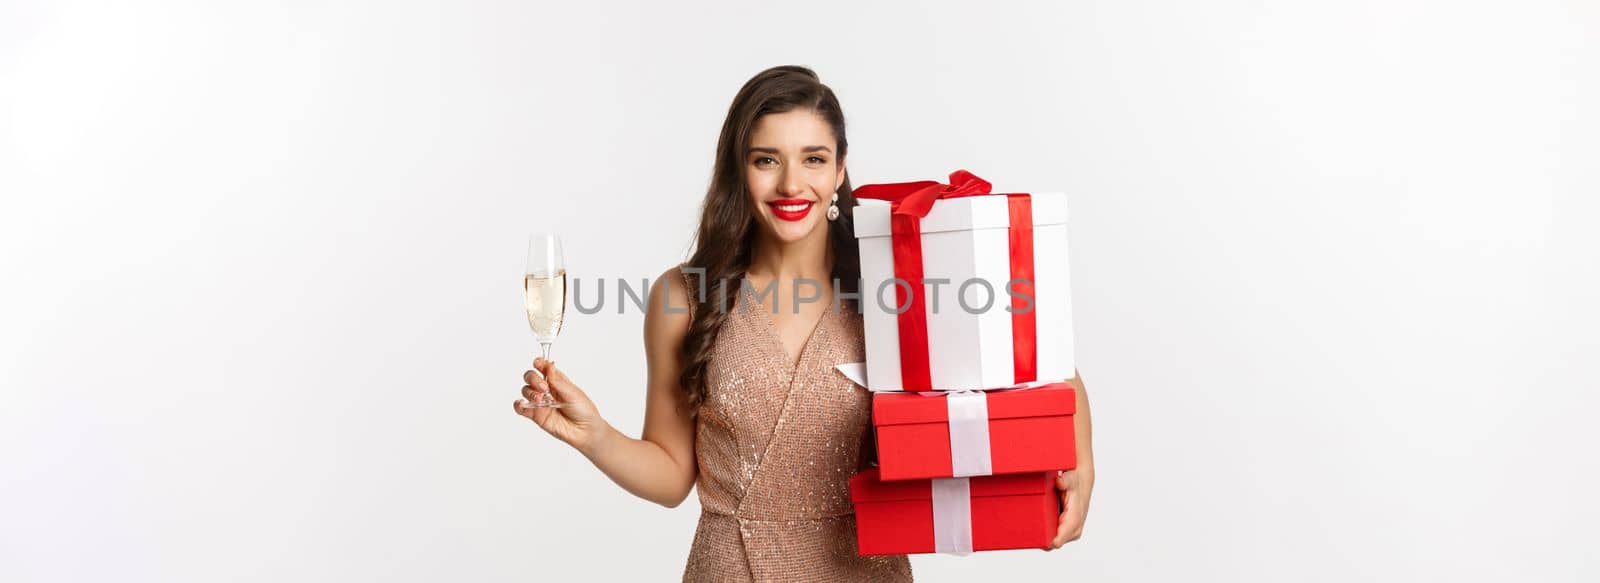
(743, 400)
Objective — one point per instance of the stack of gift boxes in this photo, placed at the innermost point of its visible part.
(966, 307)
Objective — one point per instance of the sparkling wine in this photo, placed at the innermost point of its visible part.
(545, 297)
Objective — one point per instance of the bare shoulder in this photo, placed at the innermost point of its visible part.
(666, 318)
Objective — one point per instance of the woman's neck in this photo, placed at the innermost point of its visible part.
(808, 258)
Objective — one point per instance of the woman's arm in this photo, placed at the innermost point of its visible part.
(1077, 484)
(659, 467)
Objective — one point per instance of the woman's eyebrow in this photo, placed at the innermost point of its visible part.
(807, 149)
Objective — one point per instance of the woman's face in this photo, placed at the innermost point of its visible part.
(792, 171)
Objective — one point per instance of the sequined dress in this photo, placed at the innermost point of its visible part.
(776, 446)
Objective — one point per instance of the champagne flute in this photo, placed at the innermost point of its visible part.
(544, 294)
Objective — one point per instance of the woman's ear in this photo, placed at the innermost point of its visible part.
(840, 181)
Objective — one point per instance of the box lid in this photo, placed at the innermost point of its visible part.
(866, 487)
(965, 213)
(929, 407)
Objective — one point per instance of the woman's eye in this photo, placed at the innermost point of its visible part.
(765, 160)
(815, 159)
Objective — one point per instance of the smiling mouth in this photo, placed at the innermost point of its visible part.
(791, 209)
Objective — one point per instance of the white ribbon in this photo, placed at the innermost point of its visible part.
(952, 516)
(857, 373)
(968, 412)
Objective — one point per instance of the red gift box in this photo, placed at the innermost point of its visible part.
(1029, 430)
(1013, 511)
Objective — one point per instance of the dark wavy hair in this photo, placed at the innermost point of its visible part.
(728, 229)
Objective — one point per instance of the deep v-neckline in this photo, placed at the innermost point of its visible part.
(792, 362)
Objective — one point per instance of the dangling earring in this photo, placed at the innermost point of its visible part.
(833, 208)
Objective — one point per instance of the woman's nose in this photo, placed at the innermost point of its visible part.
(791, 185)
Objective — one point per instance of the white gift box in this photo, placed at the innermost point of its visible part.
(965, 240)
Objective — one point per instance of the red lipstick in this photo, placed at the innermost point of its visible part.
(790, 209)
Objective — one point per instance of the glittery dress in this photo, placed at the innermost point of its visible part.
(776, 446)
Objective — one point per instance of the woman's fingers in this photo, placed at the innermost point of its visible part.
(533, 381)
(1060, 538)
(1078, 516)
(546, 368)
(534, 388)
(557, 380)
(520, 406)
(1075, 509)
(1071, 527)
(544, 417)
(530, 376)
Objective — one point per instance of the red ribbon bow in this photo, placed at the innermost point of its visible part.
(909, 202)
(915, 199)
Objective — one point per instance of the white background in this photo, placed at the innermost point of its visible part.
(1333, 264)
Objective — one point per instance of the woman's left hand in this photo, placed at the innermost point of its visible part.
(1075, 486)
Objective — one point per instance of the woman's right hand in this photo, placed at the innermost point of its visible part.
(575, 422)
